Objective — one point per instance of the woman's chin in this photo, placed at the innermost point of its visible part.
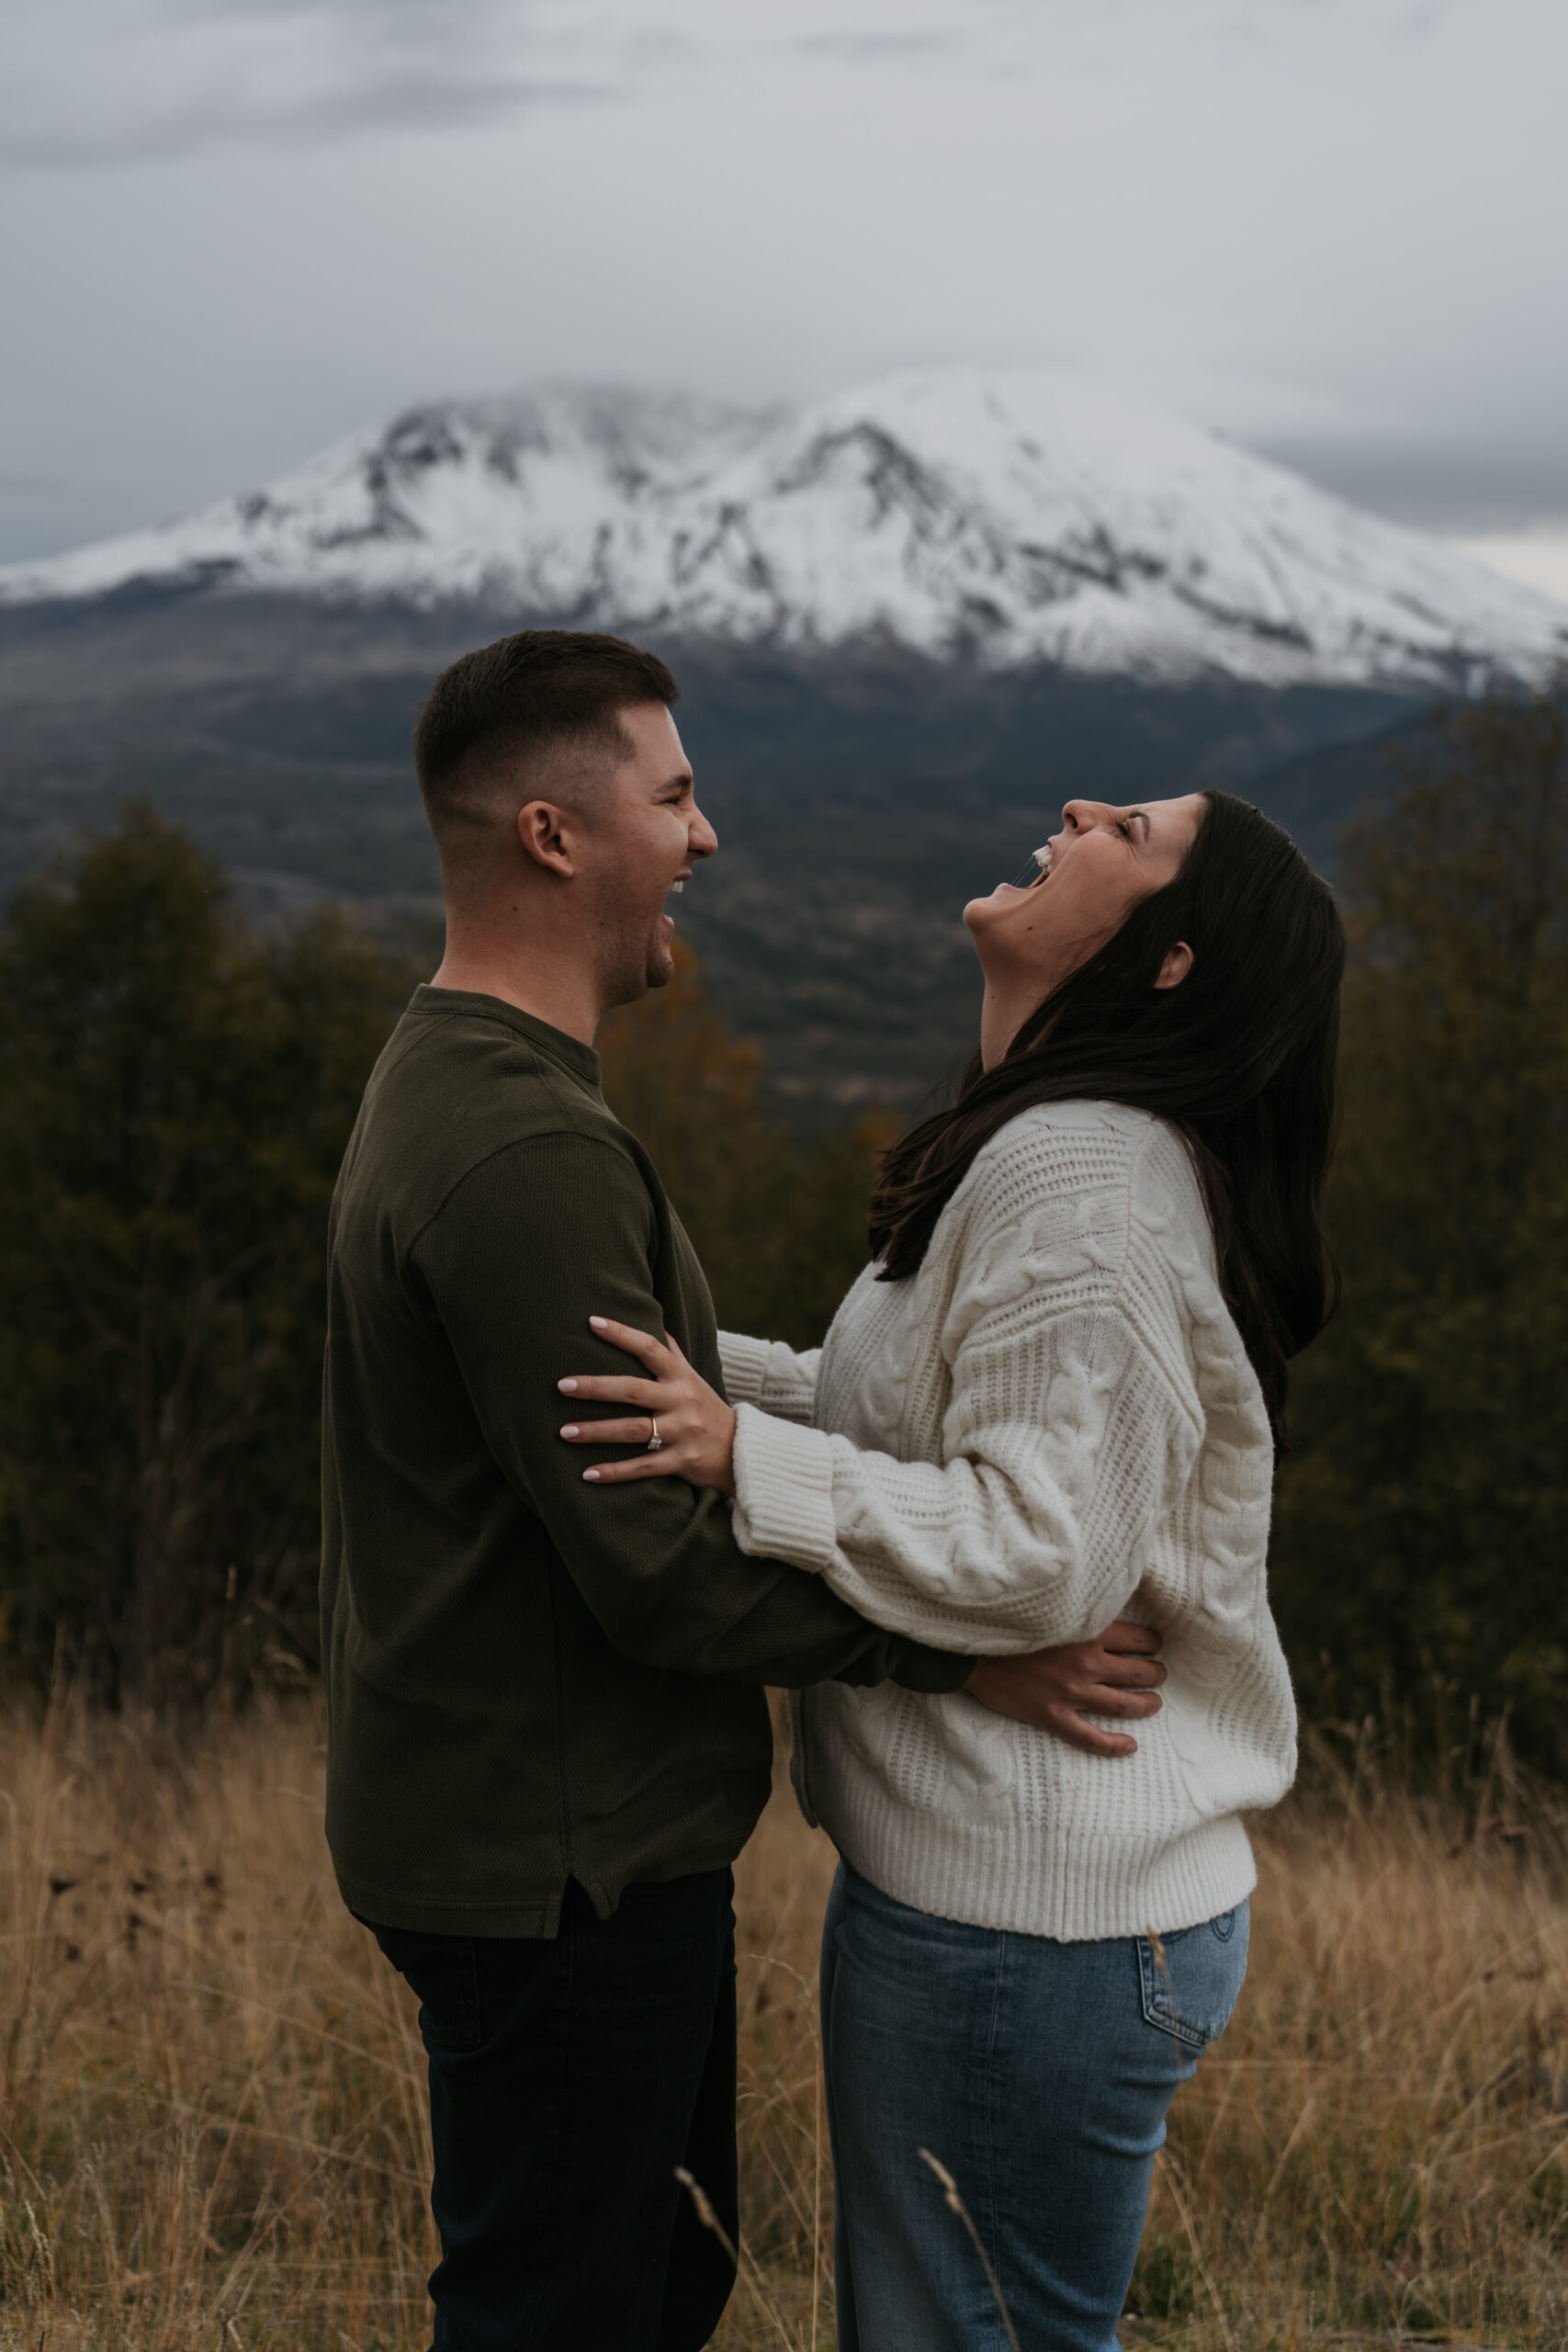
(980, 910)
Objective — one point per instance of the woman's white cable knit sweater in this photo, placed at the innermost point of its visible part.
(1053, 1424)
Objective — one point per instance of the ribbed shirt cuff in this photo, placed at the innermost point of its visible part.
(745, 1363)
(783, 1490)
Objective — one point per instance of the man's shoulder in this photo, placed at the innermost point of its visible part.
(453, 1090)
(489, 1069)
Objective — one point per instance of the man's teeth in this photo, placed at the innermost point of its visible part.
(676, 889)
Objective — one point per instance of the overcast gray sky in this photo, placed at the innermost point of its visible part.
(236, 229)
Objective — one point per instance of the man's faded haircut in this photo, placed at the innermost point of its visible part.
(494, 713)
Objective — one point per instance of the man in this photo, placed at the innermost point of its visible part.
(547, 1732)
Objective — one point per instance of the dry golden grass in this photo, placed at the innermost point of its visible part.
(211, 2113)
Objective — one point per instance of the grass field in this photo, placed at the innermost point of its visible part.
(211, 2113)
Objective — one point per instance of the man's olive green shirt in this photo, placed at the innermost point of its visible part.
(529, 1679)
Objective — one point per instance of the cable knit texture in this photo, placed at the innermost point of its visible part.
(1053, 1424)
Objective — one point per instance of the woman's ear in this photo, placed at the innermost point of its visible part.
(1176, 965)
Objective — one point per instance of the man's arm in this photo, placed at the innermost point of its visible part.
(533, 1241)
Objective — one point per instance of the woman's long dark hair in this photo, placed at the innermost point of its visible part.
(1238, 1058)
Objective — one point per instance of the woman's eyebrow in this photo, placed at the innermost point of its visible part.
(1141, 816)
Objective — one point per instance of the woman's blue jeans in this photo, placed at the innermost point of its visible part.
(1039, 2074)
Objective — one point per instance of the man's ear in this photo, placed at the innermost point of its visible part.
(1178, 963)
(547, 833)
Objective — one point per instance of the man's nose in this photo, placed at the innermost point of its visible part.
(701, 839)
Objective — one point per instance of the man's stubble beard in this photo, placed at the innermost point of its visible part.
(661, 969)
(631, 967)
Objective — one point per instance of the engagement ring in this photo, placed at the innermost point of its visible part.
(655, 1442)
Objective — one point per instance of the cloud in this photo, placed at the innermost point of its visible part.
(133, 81)
(316, 119)
(877, 49)
(436, 20)
(116, 82)
(122, 82)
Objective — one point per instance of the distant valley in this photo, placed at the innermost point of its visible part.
(859, 800)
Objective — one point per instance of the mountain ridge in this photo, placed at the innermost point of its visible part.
(1003, 518)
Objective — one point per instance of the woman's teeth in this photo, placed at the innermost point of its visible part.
(1038, 869)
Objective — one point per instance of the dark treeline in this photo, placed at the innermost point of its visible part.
(175, 1095)
(1422, 1534)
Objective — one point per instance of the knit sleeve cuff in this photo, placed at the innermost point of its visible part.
(783, 1490)
(745, 1364)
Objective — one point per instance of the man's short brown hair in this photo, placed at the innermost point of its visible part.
(541, 690)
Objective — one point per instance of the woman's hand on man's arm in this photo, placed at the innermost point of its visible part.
(1119, 1673)
(694, 1427)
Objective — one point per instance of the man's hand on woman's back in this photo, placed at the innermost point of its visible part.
(1119, 1673)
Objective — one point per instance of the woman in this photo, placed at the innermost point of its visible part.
(1051, 1400)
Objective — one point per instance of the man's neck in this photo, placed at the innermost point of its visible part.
(559, 994)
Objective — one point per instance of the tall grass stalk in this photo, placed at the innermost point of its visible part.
(212, 2128)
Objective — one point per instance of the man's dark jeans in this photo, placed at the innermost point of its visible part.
(568, 2079)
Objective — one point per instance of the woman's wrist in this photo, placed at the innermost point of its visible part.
(783, 1490)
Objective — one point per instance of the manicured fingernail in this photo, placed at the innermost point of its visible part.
(569, 1388)
(600, 1322)
(571, 1429)
(592, 1476)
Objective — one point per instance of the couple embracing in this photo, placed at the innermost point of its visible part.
(1019, 1495)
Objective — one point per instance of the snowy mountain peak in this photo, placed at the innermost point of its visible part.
(1004, 516)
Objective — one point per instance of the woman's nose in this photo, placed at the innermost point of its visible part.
(1078, 815)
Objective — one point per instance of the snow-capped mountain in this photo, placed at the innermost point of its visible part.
(1007, 516)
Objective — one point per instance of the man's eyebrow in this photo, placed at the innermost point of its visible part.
(678, 783)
